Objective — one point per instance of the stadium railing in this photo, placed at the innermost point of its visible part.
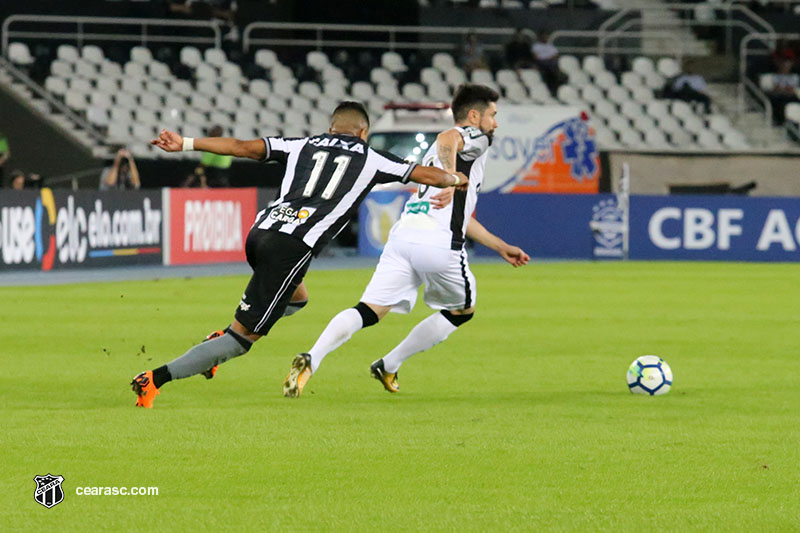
(141, 30)
(757, 45)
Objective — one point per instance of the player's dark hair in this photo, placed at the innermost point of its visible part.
(471, 96)
(349, 105)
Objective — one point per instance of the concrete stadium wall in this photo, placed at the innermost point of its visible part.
(653, 173)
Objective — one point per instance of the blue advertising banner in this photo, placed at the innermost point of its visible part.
(708, 228)
(376, 216)
(717, 228)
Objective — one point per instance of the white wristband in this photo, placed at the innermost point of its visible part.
(458, 180)
(188, 144)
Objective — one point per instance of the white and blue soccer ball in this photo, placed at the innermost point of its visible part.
(649, 374)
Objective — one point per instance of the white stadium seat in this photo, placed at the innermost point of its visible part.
(792, 111)
(231, 72)
(631, 109)
(260, 88)
(61, 68)
(442, 61)
(657, 108)
(97, 116)
(593, 64)
(334, 89)
(225, 102)
(669, 124)
(119, 133)
(605, 79)
(681, 139)
(393, 62)
(655, 138)
(643, 66)
(735, 139)
(481, 76)
(530, 76)
(111, 69)
(618, 123)
(310, 90)
(150, 101)
(681, 109)
(19, 54)
(766, 82)
(317, 60)
(248, 102)
(592, 94)
(642, 94)
(190, 56)
(284, 87)
(68, 53)
(380, 75)
(568, 64)
(333, 73)
(388, 91)
(708, 139)
(76, 100)
(605, 109)
(654, 81)
(271, 118)
(506, 77)
(631, 138)
(215, 57)
(631, 80)
(578, 79)
(618, 94)
(207, 88)
(135, 69)
(439, 92)
(693, 124)
(517, 93)
(56, 85)
(414, 92)
(668, 67)
(80, 85)
(455, 77)
(132, 85)
(568, 95)
(100, 99)
(266, 58)
(720, 123)
(300, 103)
(245, 116)
(430, 75)
(204, 71)
(141, 55)
(93, 54)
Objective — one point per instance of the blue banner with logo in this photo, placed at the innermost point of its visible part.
(376, 216)
(710, 228)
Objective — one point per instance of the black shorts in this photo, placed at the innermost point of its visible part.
(279, 262)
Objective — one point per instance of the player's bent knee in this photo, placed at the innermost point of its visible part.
(368, 316)
(245, 343)
(294, 307)
(456, 320)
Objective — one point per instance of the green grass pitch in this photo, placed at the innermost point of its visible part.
(520, 421)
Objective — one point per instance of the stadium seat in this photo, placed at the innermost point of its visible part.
(280, 72)
(592, 94)
(76, 100)
(530, 77)
(380, 75)
(245, 116)
(271, 118)
(56, 85)
(200, 102)
(605, 80)
(578, 79)
(159, 88)
(481, 76)
(300, 103)
(568, 95)
(669, 124)
(68, 53)
(80, 85)
(693, 124)
(100, 99)
(792, 112)
(631, 138)
(225, 102)
(19, 54)
(146, 116)
(681, 138)
(277, 103)
(708, 139)
(231, 72)
(362, 91)
(631, 109)
(134, 69)
(442, 61)
(61, 68)
(618, 123)
(631, 80)
(429, 75)
(618, 94)
(719, 123)
(132, 85)
(657, 108)
(645, 123)
(567, 64)
(260, 88)
(284, 87)
(204, 71)
(506, 77)
(141, 55)
(111, 69)
(605, 109)
(439, 92)
(655, 138)
(654, 81)
(517, 93)
(215, 57)
(766, 82)
(334, 89)
(181, 87)
(414, 92)
(317, 60)
(248, 102)
(159, 71)
(150, 101)
(219, 118)
(266, 58)
(310, 90)
(333, 73)
(593, 64)
(668, 67)
(318, 122)
(190, 56)
(393, 62)
(93, 54)
(125, 100)
(642, 66)
(119, 133)
(455, 77)
(97, 116)
(735, 139)
(244, 131)
(388, 91)
(642, 94)
(142, 132)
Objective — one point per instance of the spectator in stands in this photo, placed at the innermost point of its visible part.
(546, 56)
(122, 174)
(472, 54)
(785, 90)
(783, 52)
(5, 153)
(689, 87)
(17, 180)
(518, 51)
(213, 170)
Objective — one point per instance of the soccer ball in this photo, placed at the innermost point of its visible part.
(649, 374)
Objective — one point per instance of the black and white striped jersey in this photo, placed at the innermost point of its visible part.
(327, 177)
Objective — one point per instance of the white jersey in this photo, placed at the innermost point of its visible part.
(447, 227)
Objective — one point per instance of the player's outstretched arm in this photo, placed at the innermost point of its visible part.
(513, 254)
(170, 141)
(448, 144)
(439, 178)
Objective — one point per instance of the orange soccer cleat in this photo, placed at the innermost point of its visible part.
(145, 389)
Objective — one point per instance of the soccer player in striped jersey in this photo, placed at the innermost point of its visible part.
(426, 246)
(327, 176)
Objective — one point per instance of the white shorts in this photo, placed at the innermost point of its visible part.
(404, 266)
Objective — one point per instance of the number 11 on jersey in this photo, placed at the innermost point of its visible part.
(320, 158)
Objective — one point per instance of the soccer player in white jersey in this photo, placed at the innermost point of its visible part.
(426, 246)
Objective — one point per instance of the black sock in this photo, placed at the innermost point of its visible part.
(161, 375)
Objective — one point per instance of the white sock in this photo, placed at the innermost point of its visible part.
(338, 331)
(425, 335)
